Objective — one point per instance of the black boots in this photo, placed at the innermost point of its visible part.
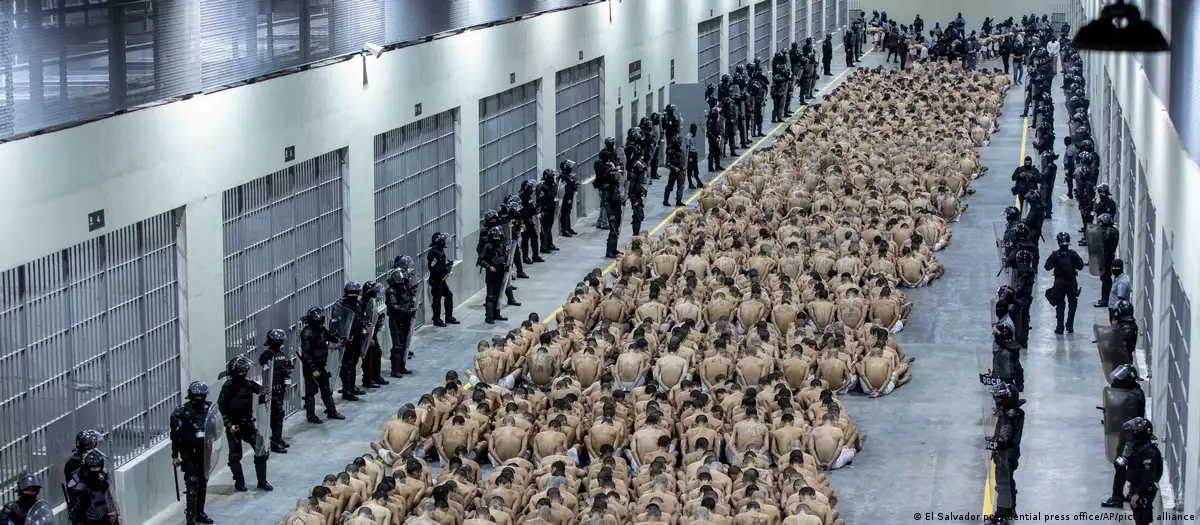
(312, 418)
(278, 447)
(260, 471)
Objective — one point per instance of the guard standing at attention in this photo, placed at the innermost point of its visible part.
(187, 450)
(547, 196)
(236, 402)
(570, 182)
(401, 299)
(439, 268)
(351, 300)
(275, 361)
(1064, 295)
(315, 342)
(1143, 468)
(493, 259)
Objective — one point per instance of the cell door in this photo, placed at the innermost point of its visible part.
(579, 103)
(507, 143)
(283, 252)
(662, 98)
(1143, 303)
(844, 11)
(783, 24)
(89, 338)
(633, 115)
(816, 19)
(416, 194)
(762, 31)
(1177, 331)
(831, 14)
(708, 55)
(739, 38)
(649, 103)
(619, 120)
(802, 21)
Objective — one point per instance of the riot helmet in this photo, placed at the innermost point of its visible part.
(1139, 430)
(671, 109)
(1024, 259)
(1087, 144)
(395, 277)
(404, 263)
(86, 440)
(315, 315)
(438, 240)
(1063, 238)
(239, 366)
(495, 234)
(1124, 310)
(1102, 189)
(738, 69)
(352, 288)
(1004, 394)
(1021, 230)
(656, 118)
(28, 488)
(197, 393)
(528, 186)
(371, 289)
(566, 167)
(275, 338)
(610, 143)
(1124, 376)
(548, 176)
(724, 79)
(1105, 219)
(1012, 213)
(490, 217)
(633, 136)
(93, 461)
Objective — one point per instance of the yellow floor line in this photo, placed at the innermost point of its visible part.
(989, 487)
(613, 265)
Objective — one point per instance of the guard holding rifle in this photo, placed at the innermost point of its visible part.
(315, 343)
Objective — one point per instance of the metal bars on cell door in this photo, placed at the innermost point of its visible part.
(802, 21)
(283, 253)
(844, 12)
(1144, 302)
(416, 194)
(1178, 333)
(783, 24)
(708, 54)
(578, 106)
(89, 338)
(739, 37)
(762, 31)
(831, 17)
(508, 143)
(816, 19)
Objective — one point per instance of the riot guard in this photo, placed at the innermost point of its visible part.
(1006, 360)
(1143, 462)
(547, 198)
(277, 368)
(439, 267)
(1064, 295)
(316, 342)
(195, 426)
(672, 124)
(1123, 400)
(827, 54)
(1126, 326)
(350, 311)
(239, 395)
(493, 260)
(530, 249)
(570, 182)
(1005, 445)
(90, 500)
(608, 155)
(85, 441)
(712, 132)
(341, 322)
(1109, 237)
(28, 508)
(1024, 277)
(373, 312)
(636, 190)
(401, 299)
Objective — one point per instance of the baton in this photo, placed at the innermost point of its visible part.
(176, 479)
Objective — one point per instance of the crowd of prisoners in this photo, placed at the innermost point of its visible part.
(701, 383)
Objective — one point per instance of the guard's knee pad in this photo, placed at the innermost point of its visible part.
(266, 453)
(235, 458)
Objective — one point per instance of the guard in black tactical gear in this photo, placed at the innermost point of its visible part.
(758, 94)
(511, 223)
(351, 300)
(372, 359)
(1143, 468)
(712, 132)
(1025, 179)
(805, 78)
(827, 53)
(693, 158)
(547, 197)
(273, 358)
(401, 301)
(439, 267)
(1064, 295)
(85, 440)
(315, 342)
(1112, 237)
(636, 190)
(28, 491)
(849, 46)
(1005, 445)
(89, 500)
(654, 139)
(1024, 278)
(1126, 326)
(1124, 400)
(493, 260)
(738, 100)
(236, 403)
(570, 182)
(729, 118)
(634, 140)
(530, 250)
(675, 165)
(188, 449)
(1006, 359)
(672, 124)
(1104, 202)
(778, 90)
(608, 155)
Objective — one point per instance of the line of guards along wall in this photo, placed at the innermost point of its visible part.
(1129, 438)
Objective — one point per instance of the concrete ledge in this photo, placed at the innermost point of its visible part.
(146, 486)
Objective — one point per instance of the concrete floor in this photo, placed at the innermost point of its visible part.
(323, 449)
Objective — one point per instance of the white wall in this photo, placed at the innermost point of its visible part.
(185, 154)
(1173, 184)
(942, 11)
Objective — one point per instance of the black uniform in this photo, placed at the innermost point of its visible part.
(187, 444)
(1144, 469)
(493, 259)
(236, 402)
(610, 195)
(372, 358)
(1137, 397)
(758, 95)
(1064, 295)
(401, 301)
(729, 118)
(1112, 236)
(779, 83)
(1006, 363)
(281, 375)
(315, 340)
(827, 53)
(1010, 423)
(530, 249)
(438, 266)
(1023, 282)
(566, 210)
(89, 504)
(354, 343)
(676, 167)
(547, 197)
(14, 512)
(636, 190)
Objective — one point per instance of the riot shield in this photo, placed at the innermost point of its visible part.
(214, 429)
(998, 229)
(1094, 235)
(341, 321)
(1111, 348)
(40, 514)
(263, 375)
(375, 309)
(512, 240)
(1120, 405)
